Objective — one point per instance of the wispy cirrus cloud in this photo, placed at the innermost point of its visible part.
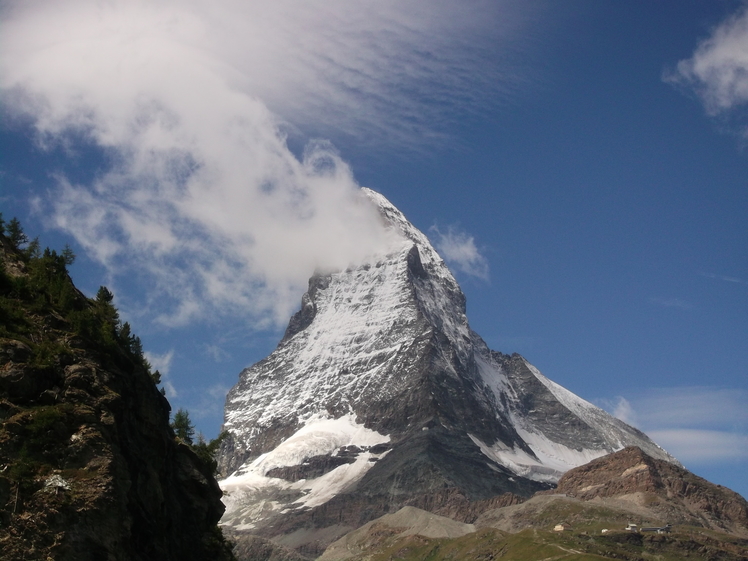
(718, 70)
(690, 407)
(672, 303)
(217, 353)
(458, 248)
(725, 278)
(210, 402)
(199, 198)
(698, 425)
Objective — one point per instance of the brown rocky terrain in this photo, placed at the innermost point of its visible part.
(593, 504)
(408, 521)
(89, 466)
(672, 492)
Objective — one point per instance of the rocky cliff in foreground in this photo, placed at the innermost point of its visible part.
(89, 467)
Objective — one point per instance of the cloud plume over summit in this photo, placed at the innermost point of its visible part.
(200, 197)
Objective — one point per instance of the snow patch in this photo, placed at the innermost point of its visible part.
(250, 496)
(325, 487)
(320, 436)
(550, 461)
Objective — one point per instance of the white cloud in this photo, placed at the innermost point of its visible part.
(459, 250)
(698, 425)
(699, 447)
(625, 412)
(620, 407)
(170, 390)
(216, 353)
(162, 363)
(203, 203)
(718, 69)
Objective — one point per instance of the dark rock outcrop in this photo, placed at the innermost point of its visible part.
(453, 504)
(311, 468)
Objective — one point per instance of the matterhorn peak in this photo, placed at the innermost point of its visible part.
(379, 394)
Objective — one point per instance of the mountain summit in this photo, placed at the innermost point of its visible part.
(380, 395)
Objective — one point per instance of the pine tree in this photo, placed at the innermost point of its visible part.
(104, 295)
(15, 233)
(68, 256)
(207, 451)
(183, 427)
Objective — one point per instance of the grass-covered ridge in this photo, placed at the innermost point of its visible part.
(536, 544)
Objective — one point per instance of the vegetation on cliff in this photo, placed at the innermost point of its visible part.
(89, 466)
(35, 285)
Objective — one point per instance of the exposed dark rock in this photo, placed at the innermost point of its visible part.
(453, 504)
(304, 317)
(13, 351)
(415, 267)
(311, 468)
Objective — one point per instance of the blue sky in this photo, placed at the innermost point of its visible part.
(583, 165)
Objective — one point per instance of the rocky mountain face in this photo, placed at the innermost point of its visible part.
(380, 395)
(89, 467)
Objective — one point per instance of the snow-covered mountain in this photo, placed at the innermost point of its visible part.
(380, 393)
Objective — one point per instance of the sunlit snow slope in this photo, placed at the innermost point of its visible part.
(380, 392)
